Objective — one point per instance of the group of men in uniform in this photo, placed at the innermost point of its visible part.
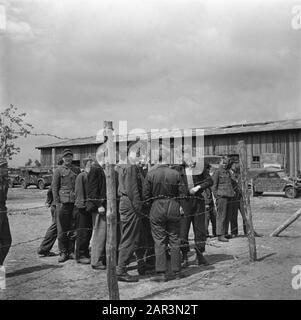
(156, 208)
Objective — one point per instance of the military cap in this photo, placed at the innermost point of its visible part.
(67, 152)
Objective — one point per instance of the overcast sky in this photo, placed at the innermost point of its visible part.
(72, 64)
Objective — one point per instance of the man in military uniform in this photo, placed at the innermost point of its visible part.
(63, 188)
(224, 194)
(163, 189)
(5, 236)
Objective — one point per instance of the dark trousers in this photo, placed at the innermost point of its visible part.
(211, 217)
(194, 213)
(51, 234)
(130, 238)
(66, 226)
(165, 226)
(238, 205)
(224, 212)
(147, 241)
(5, 237)
(98, 244)
(83, 233)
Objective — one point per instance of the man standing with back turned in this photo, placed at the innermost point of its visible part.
(163, 188)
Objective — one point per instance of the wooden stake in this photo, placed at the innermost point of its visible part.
(286, 223)
(149, 150)
(111, 243)
(246, 198)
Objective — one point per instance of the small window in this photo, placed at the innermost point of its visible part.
(256, 159)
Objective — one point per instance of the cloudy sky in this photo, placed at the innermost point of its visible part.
(72, 64)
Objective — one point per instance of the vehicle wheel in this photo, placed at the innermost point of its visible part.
(23, 184)
(41, 185)
(256, 193)
(290, 192)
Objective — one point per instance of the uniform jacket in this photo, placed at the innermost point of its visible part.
(163, 182)
(207, 194)
(203, 180)
(222, 184)
(96, 190)
(63, 184)
(49, 197)
(235, 179)
(131, 184)
(81, 190)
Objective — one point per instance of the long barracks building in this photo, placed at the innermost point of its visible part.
(282, 137)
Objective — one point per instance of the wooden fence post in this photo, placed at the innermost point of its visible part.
(286, 223)
(111, 244)
(246, 198)
(149, 150)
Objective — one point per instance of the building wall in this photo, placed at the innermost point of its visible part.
(284, 142)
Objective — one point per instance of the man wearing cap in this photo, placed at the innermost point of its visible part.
(63, 188)
(5, 236)
(223, 192)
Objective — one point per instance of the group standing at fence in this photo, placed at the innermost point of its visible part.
(155, 210)
(156, 207)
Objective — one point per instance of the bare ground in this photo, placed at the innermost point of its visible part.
(230, 275)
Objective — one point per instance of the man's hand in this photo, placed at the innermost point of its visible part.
(101, 210)
(194, 189)
(181, 211)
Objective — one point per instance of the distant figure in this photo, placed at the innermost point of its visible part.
(210, 208)
(51, 233)
(5, 235)
(224, 194)
(237, 202)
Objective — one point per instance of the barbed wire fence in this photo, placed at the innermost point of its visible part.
(207, 242)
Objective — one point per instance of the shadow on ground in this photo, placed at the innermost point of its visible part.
(31, 270)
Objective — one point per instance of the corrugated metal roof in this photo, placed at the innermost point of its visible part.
(208, 131)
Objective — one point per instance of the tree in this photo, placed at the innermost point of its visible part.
(28, 163)
(12, 127)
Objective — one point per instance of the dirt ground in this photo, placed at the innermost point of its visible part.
(230, 275)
